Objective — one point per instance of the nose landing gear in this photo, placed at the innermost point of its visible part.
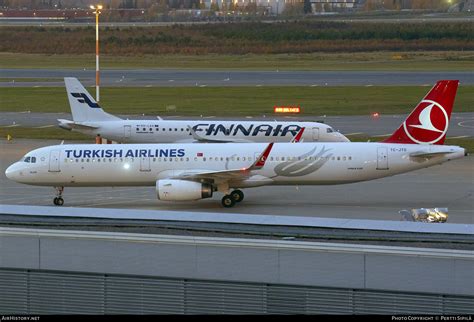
(58, 200)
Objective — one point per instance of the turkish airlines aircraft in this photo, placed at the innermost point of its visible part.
(89, 118)
(195, 171)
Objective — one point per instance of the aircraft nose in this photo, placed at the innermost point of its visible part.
(12, 172)
(343, 138)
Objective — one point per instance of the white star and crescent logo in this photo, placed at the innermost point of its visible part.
(431, 133)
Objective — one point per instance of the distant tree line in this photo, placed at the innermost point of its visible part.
(242, 38)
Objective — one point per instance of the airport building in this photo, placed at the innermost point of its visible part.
(168, 270)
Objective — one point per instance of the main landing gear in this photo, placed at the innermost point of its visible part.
(58, 200)
(229, 201)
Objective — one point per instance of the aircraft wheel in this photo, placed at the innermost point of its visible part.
(55, 201)
(228, 201)
(59, 201)
(237, 195)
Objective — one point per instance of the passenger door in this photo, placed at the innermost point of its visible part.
(54, 157)
(127, 131)
(315, 134)
(382, 158)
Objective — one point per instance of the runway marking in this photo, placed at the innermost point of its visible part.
(44, 126)
(355, 133)
(468, 126)
(208, 117)
(376, 136)
(13, 125)
(459, 137)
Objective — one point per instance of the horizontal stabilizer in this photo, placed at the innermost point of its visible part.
(424, 154)
(69, 125)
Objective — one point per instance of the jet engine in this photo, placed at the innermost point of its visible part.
(182, 190)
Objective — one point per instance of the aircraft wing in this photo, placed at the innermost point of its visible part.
(226, 175)
(203, 139)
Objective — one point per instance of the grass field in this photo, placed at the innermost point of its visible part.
(55, 133)
(376, 61)
(234, 101)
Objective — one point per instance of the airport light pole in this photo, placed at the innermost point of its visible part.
(97, 12)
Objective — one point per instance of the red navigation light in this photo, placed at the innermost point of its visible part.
(375, 114)
(287, 109)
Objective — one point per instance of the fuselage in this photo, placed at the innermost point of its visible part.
(287, 164)
(172, 131)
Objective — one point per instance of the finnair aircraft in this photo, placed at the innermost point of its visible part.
(89, 118)
(182, 172)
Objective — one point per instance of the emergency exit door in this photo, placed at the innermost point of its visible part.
(145, 164)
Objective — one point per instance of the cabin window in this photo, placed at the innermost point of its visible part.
(238, 159)
(329, 130)
(343, 158)
(204, 159)
(154, 159)
(164, 159)
(338, 158)
(350, 158)
(195, 158)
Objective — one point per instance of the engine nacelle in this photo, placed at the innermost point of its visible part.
(182, 190)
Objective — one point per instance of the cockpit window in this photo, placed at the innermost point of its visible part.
(329, 130)
(29, 159)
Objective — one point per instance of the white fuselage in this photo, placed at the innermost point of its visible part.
(171, 131)
(287, 164)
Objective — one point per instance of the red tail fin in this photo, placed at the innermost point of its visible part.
(428, 123)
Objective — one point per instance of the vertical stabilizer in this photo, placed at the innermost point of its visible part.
(429, 121)
(83, 106)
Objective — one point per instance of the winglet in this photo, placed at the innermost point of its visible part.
(298, 136)
(260, 162)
